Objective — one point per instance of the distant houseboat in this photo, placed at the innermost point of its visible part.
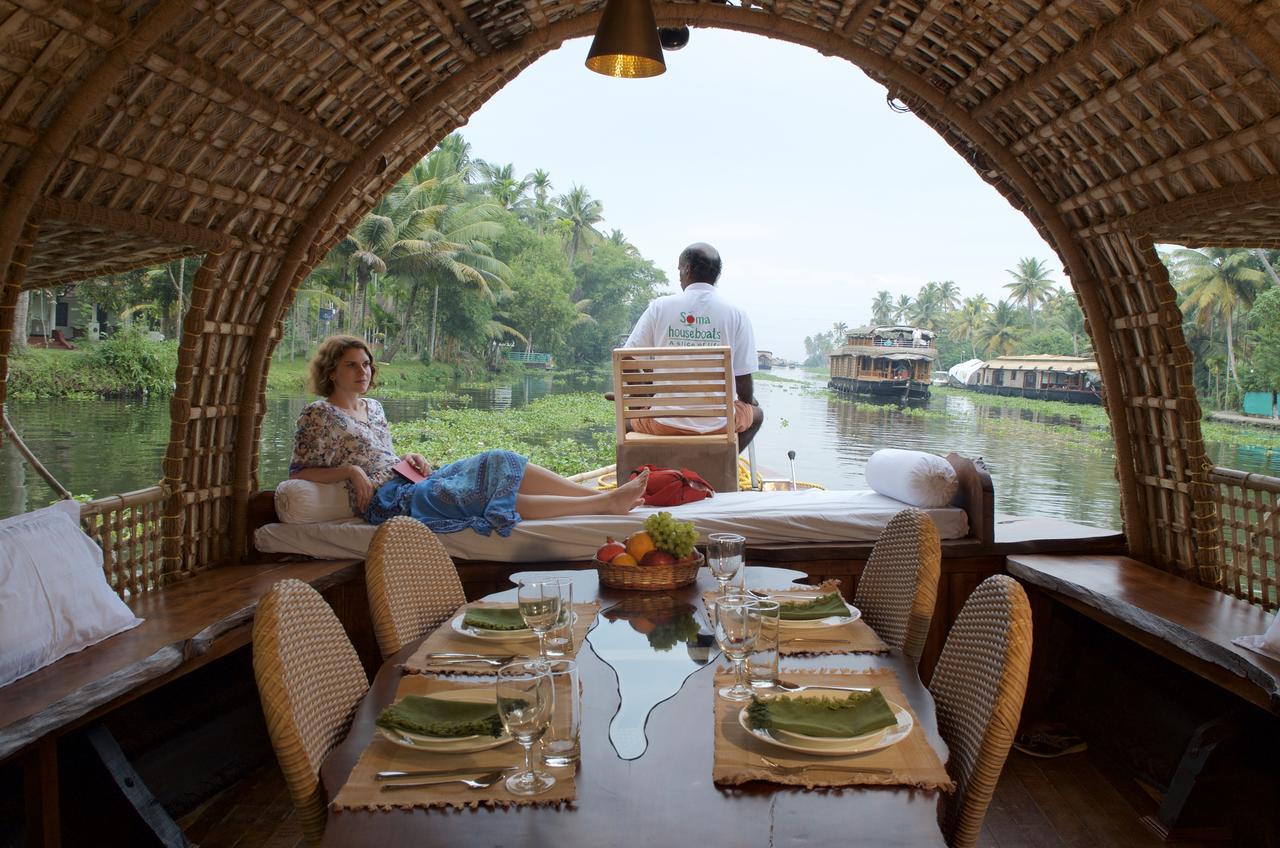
(764, 360)
(885, 361)
(1043, 376)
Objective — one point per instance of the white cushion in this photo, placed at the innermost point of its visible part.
(54, 595)
(913, 477)
(303, 502)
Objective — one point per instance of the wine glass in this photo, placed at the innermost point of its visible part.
(737, 628)
(539, 602)
(526, 698)
(724, 557)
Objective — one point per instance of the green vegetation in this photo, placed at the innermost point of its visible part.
(567, 433)
(125, 366)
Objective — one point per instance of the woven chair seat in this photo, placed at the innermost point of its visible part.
(412, 581)
(978, 686)
(899, 586)
(310, 681)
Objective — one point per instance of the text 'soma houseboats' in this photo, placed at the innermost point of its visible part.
(885, 361)
(1074, 379)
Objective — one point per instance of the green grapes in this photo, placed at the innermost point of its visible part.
(675, 537)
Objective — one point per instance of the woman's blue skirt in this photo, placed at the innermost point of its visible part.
(477, 492)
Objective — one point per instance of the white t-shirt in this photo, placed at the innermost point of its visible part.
(698, 317)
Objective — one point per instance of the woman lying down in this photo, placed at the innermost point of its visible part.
(345, 439)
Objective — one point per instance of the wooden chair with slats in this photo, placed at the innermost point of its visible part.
(412, 582)
(310, 681)
(676, 382)
(899, 586)
(978, 687)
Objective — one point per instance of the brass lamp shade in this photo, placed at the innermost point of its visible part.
(626, 42)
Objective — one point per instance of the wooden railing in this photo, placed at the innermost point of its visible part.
(1247, 509)
(127, 527)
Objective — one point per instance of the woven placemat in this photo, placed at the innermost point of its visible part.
(362, 792)
(446, 640)
(738, 753)
(856, 637)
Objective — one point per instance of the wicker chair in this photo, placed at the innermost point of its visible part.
(978, 687)
(899, 586)
(413, 584)
(310, 681)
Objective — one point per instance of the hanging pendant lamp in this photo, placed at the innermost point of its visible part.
(626, 42)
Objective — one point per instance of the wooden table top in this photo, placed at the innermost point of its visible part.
(664, 795)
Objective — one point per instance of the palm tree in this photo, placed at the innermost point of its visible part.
(882, 308)
(901, 308)
(1218, 284)
(1001, 330)
(581, 213)
(967, 321)
(927, 308)
(502, 185)
(537, 210)
(1031, 282)
(839, 330)
(948, 295)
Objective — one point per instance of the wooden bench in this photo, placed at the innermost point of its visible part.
(187, 625)
(1188, 624)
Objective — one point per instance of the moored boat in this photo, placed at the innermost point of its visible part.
(890, 362)
(1074, 379)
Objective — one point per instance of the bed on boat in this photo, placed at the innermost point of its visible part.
(768, 520)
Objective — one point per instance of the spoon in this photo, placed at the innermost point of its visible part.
(793, 687)
(484, 781)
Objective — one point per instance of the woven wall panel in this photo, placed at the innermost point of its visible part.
(257, 133)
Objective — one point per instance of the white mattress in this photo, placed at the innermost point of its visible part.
(811, 516)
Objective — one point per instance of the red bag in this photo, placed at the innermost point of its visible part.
(673, 486)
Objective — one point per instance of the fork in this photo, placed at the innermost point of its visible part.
(484, 781)
(783, 686)
(782, 769)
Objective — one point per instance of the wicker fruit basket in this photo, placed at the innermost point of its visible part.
(651, 578)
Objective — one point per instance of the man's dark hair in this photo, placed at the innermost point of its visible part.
(703, 262)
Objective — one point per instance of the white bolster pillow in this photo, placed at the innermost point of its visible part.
(304, 502)
(913, 477)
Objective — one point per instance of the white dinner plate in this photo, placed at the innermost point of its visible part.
(449, 744)
(829, 621)
(828, 747)
(493, 635)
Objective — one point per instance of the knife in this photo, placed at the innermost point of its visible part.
(458, 772)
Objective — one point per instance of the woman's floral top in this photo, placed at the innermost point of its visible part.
(327, 437)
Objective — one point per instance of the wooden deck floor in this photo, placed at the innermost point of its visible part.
(1073, 801)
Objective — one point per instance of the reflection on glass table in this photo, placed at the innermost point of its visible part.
(653, 641)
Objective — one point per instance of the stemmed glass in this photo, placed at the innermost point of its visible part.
(526, 698)
(737, 628)
(724, 557)
(539, 602)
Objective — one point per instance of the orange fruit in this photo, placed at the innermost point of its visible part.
(623, 559)
(639, 544)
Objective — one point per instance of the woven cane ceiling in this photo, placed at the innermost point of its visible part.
(133, 132)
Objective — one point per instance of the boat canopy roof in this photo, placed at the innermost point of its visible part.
(900, 357)
(895, 330)
(1044, 362)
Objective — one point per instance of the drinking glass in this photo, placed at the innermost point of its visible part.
(762, 662)
(724, 556)
(526, 699)
(539, 602)
(560, 636)
(560, 745)
(737, 628)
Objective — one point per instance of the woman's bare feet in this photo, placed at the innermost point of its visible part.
(629, 495)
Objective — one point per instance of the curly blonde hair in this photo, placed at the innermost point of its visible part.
(323, 364)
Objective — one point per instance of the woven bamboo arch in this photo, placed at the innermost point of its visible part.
(256, 132)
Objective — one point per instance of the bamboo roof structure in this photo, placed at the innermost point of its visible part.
(257, 132)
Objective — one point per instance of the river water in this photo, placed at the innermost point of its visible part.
(1041, 464)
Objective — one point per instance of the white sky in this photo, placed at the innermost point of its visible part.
(790, 163)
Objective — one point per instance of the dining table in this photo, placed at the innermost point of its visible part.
(647, 747)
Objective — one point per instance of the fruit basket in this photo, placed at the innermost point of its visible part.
(651, 578)
(661, 556)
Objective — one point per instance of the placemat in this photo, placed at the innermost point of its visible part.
(362, 792)
(446, 640)
(856, 637)
(738, 753)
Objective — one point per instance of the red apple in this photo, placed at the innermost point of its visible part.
(609, 550)
(656, 557)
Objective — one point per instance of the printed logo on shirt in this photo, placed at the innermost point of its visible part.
(693, 334)
(691, 319)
